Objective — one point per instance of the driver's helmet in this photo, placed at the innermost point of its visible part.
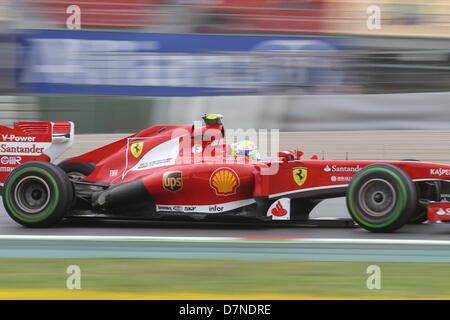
(245, 148)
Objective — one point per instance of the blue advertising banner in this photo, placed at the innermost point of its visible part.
(146, 64)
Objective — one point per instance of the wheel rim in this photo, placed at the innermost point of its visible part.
(32, 194)
(377, 197)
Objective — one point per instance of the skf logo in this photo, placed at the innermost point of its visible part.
(224, 181)
(136, 148)
(299, 175)
(172, 180)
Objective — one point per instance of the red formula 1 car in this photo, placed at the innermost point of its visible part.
(187, 171)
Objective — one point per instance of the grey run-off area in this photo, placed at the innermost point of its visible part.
(196, 240)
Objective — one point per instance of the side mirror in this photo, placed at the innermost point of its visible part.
(286, 156)
(299, 154)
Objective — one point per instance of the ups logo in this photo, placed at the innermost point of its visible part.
(173, 180)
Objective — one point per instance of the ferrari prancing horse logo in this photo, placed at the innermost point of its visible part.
(136, 148)
(299, 175)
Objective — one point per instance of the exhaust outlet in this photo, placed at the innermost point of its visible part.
(128, 195)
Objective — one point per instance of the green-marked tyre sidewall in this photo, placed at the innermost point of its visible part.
(398, 207)
(396, 218)
(61, 194)
(54, 195)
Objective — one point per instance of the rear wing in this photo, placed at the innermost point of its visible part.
(29, 141)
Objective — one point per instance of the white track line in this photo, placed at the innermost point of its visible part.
(377, 241)
(112, 238)
(226, 239)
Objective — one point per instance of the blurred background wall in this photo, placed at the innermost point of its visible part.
(296, 65)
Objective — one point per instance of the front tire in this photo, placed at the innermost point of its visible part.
(381, 198)
(37, 194)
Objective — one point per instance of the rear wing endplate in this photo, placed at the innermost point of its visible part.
(29, 141)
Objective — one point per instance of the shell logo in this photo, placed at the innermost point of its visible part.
(224, 181)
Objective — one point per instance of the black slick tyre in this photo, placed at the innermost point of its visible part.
(381, 198)
(37, 194)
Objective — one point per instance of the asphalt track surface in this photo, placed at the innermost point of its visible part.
(258, 241)
(333, 208)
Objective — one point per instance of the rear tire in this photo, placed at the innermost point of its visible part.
(37, 194)
(381, 198)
